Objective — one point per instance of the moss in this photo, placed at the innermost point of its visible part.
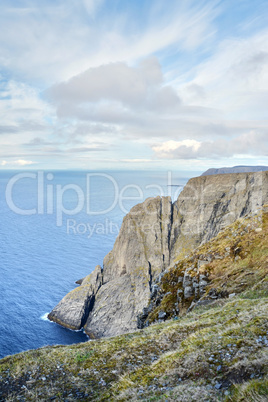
(159, 354)
(251, 391)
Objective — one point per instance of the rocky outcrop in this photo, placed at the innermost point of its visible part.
(73, 310)
(153, 236)
(235, 169)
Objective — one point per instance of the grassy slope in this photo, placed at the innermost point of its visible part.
(195, 357)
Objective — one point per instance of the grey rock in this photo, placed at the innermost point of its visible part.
(231, 295)
(191, 306)
(154, 291)
(162, 315)
(203, 283)
(187, 280)
(188, 292)
(234, 169)
(72, 311)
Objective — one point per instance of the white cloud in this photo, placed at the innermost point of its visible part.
(115, 81)
(21, 106)
(171, 148)
(19, 162)
(22, 162)
(117, 87)
(253, 143)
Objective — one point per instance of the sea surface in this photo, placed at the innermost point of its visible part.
(55, 227)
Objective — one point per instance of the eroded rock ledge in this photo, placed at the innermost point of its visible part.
(152, 237)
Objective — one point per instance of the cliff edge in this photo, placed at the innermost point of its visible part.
(153, 236)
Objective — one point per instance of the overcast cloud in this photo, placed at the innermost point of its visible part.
(102, 84)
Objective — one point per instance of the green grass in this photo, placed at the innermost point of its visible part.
(164, 359)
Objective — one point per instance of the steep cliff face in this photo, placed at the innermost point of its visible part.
(72, 311)
(153, 236)
(141, 252)
(207, 204)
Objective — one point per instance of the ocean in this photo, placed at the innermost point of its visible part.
(55, 227)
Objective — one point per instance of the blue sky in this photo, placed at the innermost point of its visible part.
(117, 84)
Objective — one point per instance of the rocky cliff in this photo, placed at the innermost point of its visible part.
(235, 169)
(153, 236)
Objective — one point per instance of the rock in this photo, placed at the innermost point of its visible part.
(193, 304)
(142, 246)
(187, 281)
(231, 295)
(209, 203)
(162, 315)
(203, 283)
(72, 311)
(143, 241)
(188, 292)
(213, 294)
(234, 169)
(152, 237)
(114, 309)
(154, 291)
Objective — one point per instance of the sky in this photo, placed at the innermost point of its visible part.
(144, 84)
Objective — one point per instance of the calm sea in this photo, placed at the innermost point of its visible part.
(55, 227)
